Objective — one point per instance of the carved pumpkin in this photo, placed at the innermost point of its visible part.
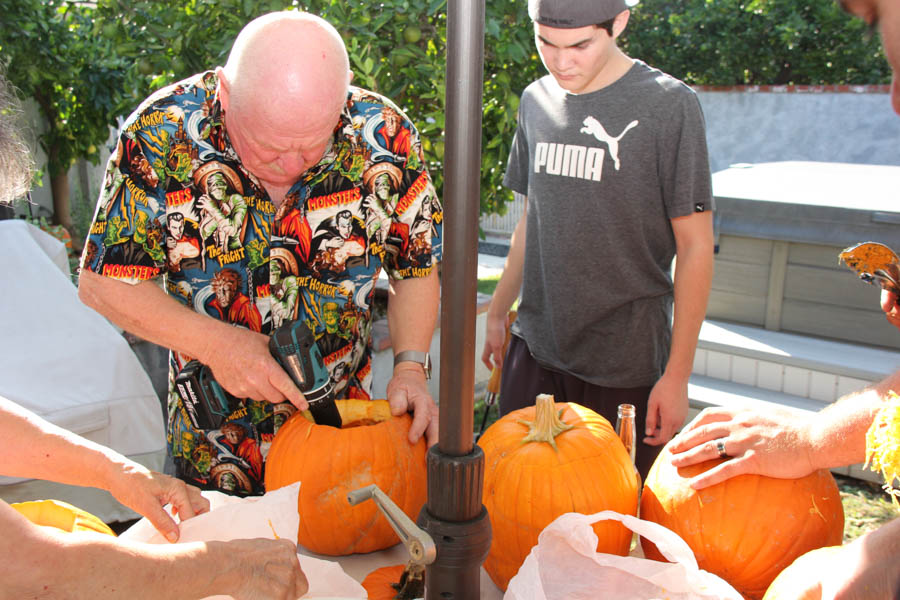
(371, 447)
(792, 583)
(746, 529)
(62, 515)
(547, 460)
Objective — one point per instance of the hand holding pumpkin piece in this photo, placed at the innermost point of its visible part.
(775, 443)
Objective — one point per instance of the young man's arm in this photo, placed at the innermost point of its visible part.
(668, 404)
(505, 294)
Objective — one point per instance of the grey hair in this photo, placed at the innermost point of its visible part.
(16, 162)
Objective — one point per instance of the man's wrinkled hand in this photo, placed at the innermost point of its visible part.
(244, 366)
(775, 443)
(147, 492)
(407, 391)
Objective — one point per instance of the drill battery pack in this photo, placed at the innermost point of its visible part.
(206, 402)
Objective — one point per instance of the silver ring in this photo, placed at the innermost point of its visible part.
(720, 446)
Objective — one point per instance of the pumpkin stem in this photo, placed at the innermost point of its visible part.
(412, 583)
(547, 422)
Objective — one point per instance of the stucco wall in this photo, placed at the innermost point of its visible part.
(800, 124)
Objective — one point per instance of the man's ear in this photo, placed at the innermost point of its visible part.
(350, 77)
(620, 22)
(223, 88)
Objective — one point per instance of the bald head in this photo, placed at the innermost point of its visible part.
(283, 89)
(285, 60)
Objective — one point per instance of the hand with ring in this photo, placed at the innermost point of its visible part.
(775, 443)
(720, 446)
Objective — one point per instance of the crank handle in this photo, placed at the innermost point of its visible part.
(419, 544)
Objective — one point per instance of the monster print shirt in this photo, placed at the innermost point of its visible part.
(177, 202)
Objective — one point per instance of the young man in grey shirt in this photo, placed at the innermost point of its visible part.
(612, 157)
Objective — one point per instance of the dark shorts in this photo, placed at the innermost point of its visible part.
(523, 379)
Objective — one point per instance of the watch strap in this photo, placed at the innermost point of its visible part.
(423, 358)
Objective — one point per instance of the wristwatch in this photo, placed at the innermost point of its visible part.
(423, 358)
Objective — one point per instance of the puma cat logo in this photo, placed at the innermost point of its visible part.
(593, 127)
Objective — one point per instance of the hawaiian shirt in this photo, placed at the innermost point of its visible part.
(177, 202)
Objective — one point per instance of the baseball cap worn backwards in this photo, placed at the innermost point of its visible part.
(572, 14)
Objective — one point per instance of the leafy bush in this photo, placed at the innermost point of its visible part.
(126, 48)
(755, 42)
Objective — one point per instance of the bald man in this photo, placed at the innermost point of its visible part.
(267, 156)
(46, 562)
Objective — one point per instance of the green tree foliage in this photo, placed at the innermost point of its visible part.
(103, 60)
(53, 54)
(755, 42)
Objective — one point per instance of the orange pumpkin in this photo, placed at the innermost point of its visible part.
(793, 582)
(745, 529)
(547, 460)
(370, 447)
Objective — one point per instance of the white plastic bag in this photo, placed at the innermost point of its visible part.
(564, 565)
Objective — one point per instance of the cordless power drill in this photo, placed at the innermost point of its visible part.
(293, 346)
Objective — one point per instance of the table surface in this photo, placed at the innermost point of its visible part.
(358, 566)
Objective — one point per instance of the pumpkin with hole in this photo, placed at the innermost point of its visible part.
(793, 582)
(370, 447)
(547, 460)
(746, 529)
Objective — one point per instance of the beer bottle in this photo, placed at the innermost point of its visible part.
(625, 429)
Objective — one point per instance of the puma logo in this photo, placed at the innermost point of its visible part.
(593, 127)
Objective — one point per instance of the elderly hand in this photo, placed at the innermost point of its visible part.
(408, 391)
(147, 492)
(775, 443)
(243, 365)
(258, 569)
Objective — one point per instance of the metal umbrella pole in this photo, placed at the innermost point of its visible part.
(454, 515)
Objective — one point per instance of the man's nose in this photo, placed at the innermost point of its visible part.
(292, 163)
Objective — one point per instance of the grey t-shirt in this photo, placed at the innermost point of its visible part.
(604, 173)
